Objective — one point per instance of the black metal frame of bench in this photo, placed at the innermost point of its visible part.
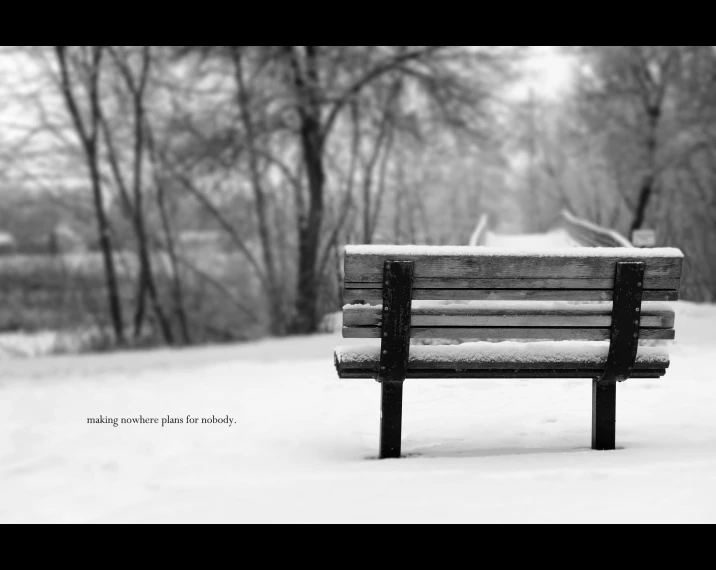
(395, 352)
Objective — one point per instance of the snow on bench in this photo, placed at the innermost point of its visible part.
(399, 293)
(462, 251)
(476, 355)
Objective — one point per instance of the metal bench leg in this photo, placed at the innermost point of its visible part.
(626, 319)
(394, 353)
(391, 419)
(604, 418)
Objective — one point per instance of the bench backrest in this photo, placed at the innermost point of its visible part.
(472, 274)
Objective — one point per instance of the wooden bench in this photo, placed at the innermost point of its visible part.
(517, 306)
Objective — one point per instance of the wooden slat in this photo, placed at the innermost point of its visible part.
(370, 282)
(513, 315)
(504, 373)
(375, 296)
(479, 263)
(509, 333)
(417, 363)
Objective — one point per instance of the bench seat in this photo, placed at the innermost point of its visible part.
(506, 359)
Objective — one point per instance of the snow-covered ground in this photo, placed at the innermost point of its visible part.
(303, 444)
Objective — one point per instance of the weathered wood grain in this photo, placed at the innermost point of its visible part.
(509, 333)
(509, 316)
(370, 282)
(504, 373)
(375, 296)
(417, 363)
(360, 267)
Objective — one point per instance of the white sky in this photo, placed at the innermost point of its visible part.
(549, 73)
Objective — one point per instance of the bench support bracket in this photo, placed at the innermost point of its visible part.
(626, 319)
(394, 352)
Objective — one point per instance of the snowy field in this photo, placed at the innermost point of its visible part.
(303, 444)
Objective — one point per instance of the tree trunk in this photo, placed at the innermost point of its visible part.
(309, 231)
(146, 272)
(88, 137)
(309, 234)
(276, 312)
(146, 284)
(645, 193)
(649, 184)
(177, 289)
(105, 242)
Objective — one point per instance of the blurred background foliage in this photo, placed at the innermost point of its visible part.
(191, 194)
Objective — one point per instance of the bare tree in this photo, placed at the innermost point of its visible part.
(134, 200)
(87, 65)
(630, 90)
(247, 113)
(320, 100)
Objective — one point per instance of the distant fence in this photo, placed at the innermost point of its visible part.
(592, 235)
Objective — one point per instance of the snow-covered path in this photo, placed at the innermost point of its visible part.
(303, 445)
(555, 238)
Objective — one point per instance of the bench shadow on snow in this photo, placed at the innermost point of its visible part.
(448, 452)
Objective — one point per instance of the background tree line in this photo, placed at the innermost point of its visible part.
(631, 147)
(217, 185)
